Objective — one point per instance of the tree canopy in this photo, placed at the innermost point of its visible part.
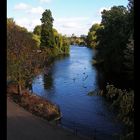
(47, 36)
(92, 37)
(37, 30)
(113, 40)
(20, 52)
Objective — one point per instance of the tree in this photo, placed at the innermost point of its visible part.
(91, 38)
(65, 45)
(111, 42)
(112, 39)
(131, 17)
(57, 39)
(47, 36)
(36, 38)
(21, 64)
(128, 64)
(37, 30)
(61, 43)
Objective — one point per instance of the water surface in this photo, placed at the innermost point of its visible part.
(68, 83)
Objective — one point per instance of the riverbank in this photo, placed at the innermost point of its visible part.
(22, 125)
(34, 104)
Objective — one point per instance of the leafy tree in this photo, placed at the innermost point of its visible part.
(20, 56)
(61, 43)
(65, 44)
(112, 40)
(131, 17)
(57, 38)
(74, 40)
(91, 38)
(36, 38)
(83, 39)
(128, 64)
(123, 101)
(37, 30)
(47, 36)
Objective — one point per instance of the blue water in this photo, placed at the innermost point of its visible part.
(68, 84)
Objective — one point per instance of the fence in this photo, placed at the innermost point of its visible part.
(87, 132)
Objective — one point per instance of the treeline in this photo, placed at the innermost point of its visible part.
(114, 43)
(113, 40)
(74, 40)
(48, 37)
(28, 52)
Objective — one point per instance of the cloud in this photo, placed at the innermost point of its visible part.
(21, 6)
(104, 8)
(72, 19)
(36, 10)
(45, 1)
(29, 9)
(32, 15)
(76, 25)
(70, 25)
(96, 21)
(28, 23)
(64, 25)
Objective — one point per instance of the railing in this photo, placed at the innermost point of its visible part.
(77, 129)
(87, 132)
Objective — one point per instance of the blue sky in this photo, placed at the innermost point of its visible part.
(70, 16)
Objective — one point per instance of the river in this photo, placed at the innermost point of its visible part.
(68, 84)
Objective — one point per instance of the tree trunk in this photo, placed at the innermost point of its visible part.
(19, 89)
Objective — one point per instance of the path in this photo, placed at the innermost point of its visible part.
(22, 125)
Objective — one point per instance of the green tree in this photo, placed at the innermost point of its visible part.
(128, 64)
(131, 17)
(36, 38)
(65, 45)
(47, 36)
(56, 38)
(112, 40)
(37, 30)
(91, 38)
(61, 43)
(83, 40)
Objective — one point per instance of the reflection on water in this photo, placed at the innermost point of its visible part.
(68, 83)
(48, 81)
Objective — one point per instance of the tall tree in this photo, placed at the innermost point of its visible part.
(47, 36)
(112, 42)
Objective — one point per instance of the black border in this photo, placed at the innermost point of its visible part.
(3, 101)
(136, 67)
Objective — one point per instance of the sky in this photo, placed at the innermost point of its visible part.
(70, 16)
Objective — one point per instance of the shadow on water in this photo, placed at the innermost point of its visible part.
(47, 76)
(48, 81)
(100, 79)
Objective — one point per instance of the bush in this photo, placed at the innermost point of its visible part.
(123, 101)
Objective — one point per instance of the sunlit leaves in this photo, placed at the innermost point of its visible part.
(21, 60)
